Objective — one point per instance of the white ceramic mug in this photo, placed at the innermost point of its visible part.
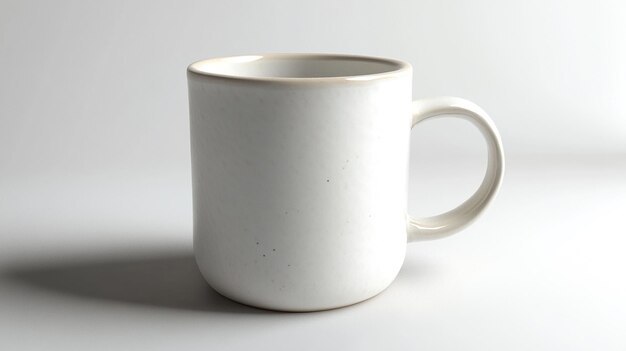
(300, 173)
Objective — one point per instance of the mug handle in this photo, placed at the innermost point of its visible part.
(450, 222)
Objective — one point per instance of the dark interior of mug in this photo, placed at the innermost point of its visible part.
(295, 66)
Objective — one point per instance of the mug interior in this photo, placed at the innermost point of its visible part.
(297, 66)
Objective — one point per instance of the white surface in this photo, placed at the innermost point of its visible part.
(107, 265)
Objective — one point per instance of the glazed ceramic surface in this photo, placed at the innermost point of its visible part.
(300, 166)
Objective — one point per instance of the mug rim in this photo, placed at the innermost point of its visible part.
(399, 68)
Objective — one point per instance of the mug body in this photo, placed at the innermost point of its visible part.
(300, 173)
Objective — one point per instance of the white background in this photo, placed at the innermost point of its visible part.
(95, 198)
